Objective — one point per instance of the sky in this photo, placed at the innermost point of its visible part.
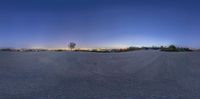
(99, 23)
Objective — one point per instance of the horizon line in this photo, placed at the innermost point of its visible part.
(90, 48)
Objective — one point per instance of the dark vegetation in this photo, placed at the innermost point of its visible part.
(171, 48)
(22, 50)
(72, 45)
(8, 49)
(59, 50)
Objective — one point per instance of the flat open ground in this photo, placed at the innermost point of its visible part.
(77, 75)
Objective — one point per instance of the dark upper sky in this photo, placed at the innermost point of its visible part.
(99, 23)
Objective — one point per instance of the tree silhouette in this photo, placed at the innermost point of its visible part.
(72, 45)
(172, 48)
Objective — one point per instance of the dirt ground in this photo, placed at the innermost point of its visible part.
(84, 75)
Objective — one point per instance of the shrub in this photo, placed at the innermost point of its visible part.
(7, 49)
(173, 48)
(133, 48)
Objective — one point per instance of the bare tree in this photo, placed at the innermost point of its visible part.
(72, 45)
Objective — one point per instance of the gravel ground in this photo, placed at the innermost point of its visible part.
(77, 75)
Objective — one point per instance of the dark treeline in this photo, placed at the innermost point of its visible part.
(22, 50)
(171, 48)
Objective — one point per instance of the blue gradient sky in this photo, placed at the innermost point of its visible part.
(99, 23)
